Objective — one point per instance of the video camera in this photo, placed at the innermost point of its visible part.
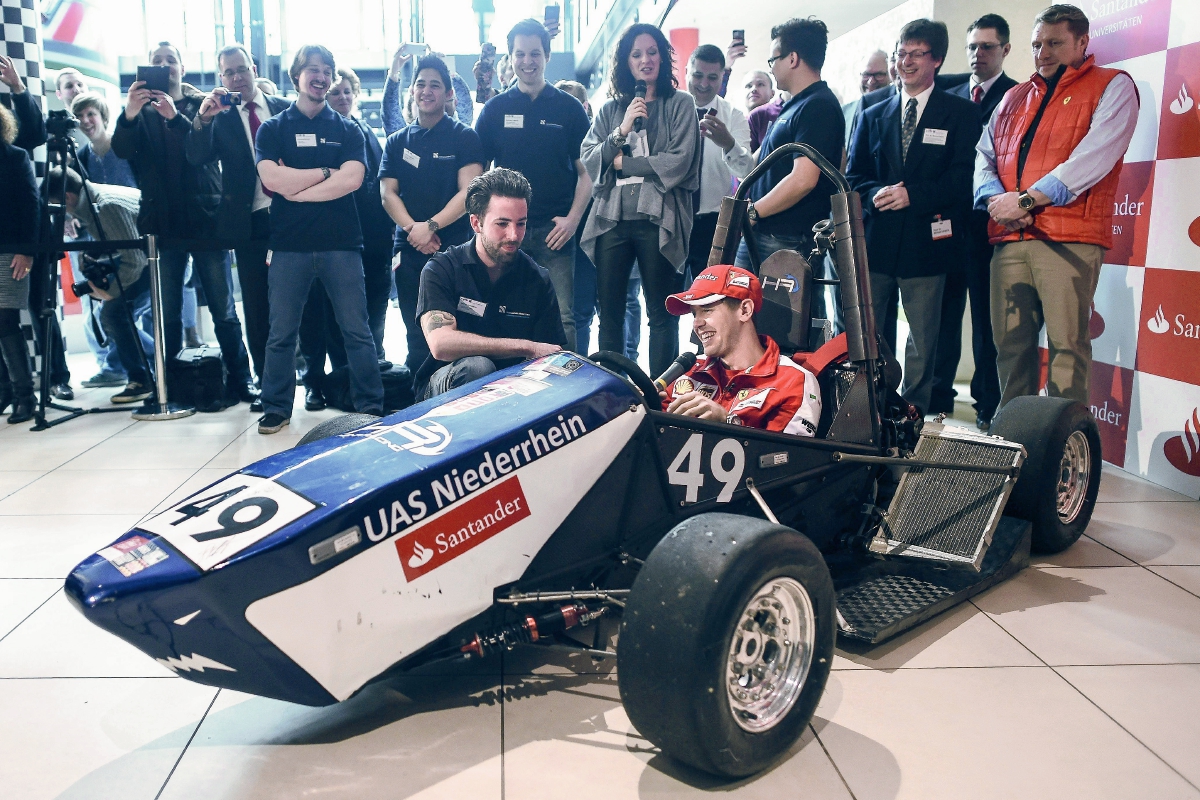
(60, 124)
(97, 271)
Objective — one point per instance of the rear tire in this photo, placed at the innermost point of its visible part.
(337, 426)
(726, 642)
(1057, 488)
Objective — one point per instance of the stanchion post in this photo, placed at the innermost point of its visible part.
(159, 408)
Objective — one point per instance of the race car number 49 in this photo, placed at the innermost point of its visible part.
(228, 517)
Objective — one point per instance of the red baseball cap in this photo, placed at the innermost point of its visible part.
(715, 284)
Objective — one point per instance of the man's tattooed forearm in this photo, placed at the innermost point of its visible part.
(437, 319)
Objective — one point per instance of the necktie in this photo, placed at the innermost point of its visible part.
(977, 93)
(254, 123)
(700, 112)
(910, 124)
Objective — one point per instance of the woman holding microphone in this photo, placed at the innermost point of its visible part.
(643, 156)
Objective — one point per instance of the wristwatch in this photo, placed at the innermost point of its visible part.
(1025, 201)
(325, 172)
(618, 138)
(433, 226)
(752, 213)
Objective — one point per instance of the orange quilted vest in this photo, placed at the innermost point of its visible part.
(1087, 219)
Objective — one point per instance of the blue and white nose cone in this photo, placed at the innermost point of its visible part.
(309, 573)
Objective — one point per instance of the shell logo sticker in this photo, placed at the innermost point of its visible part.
(1183, 451)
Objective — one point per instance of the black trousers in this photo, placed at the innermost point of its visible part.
(704, 227)
(971, 283)
(616, 251)
(252, 276)
(408, 284)
(377, 273)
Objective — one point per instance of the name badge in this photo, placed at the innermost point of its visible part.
(514, 120)
(412, 158)
(934, 136)
(472, 307)
(306, 140)
(941, 229)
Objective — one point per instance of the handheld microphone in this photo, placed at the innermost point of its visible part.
(678, 367)
(639, 90)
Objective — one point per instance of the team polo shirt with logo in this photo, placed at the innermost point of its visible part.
(327, 140)
(425, 164)
(520, 305)
(540, 138)
(776, 394)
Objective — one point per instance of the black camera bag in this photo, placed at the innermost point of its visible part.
(196, 377)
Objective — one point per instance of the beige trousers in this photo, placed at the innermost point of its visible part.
(1036, 283)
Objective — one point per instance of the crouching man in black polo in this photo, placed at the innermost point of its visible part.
(485, 304)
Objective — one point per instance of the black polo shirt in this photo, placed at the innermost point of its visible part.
(425, 164)
(814, 117)
(541, 139)
(520, 305)
(326, 140)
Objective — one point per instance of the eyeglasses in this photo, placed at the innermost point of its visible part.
(986, 47)
(915, 55)
(229, 73)
(880, 74)
(771, 61)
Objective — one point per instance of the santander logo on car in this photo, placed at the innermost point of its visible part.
(1183, 451)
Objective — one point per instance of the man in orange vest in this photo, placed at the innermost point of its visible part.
(1046, 172)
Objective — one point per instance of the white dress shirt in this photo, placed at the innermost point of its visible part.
(985, 85)
(718, 167)
(261, 200)
(922, 101)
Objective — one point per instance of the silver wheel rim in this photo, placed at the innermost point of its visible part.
(770, 654)
(1073, 475)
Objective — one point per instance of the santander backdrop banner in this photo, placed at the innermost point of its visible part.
(1145, 328)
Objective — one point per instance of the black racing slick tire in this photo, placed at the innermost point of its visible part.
(337, 426)
(1056, 490)
(726, 642)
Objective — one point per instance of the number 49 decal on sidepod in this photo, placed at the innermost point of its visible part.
(228, 517)
(687, 469)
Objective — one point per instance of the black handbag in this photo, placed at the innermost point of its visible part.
(196, 377)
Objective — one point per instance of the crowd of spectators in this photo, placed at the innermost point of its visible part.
(487, 219)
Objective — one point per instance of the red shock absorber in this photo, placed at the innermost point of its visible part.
(530, 629)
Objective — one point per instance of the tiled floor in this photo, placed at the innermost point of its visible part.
(1080, 677)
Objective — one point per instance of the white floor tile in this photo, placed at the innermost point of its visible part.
(148, 452)
(254, 446)
(12, 481)
(1119, 486)
(126, 491)
(1187, 578)
(94, 739)
(231, 422)
(1160, 705)
(573, 732)
(58, 642)
(1114, 615)
(962, 637)
(1086, 552)
(982, 733)
(1149, 533)
(20, 598)
(412, 738)
(33, 453)
(49, 546)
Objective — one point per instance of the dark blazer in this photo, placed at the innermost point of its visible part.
(991, 99)
(938, 179)
(225, 141)
(20, 205)
(31, 125)
(143, 143)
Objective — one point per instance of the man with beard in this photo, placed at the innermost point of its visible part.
(485, 304)
(313, 160)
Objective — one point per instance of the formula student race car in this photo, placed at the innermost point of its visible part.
(555, 498)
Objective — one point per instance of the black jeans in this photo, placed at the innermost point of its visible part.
(408, 286)
(57, 356)
(252, 276)
(211, 270)
(616, 251)
(377, 275)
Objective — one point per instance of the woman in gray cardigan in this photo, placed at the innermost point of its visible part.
(642, 184)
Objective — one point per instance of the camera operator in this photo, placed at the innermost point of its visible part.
(180, 202)
(20, 217)
(224, 132)
(116, 208)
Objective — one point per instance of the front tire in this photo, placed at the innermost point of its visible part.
(336, 427)
(1060, 479)
(726, 642)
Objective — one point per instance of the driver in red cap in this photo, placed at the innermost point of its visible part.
(741, 378)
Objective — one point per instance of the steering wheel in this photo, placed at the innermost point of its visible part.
(619, 363)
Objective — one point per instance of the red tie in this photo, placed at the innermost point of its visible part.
(976, 95)
(254, 123)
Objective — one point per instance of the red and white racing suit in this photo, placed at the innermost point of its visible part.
(776, 394)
